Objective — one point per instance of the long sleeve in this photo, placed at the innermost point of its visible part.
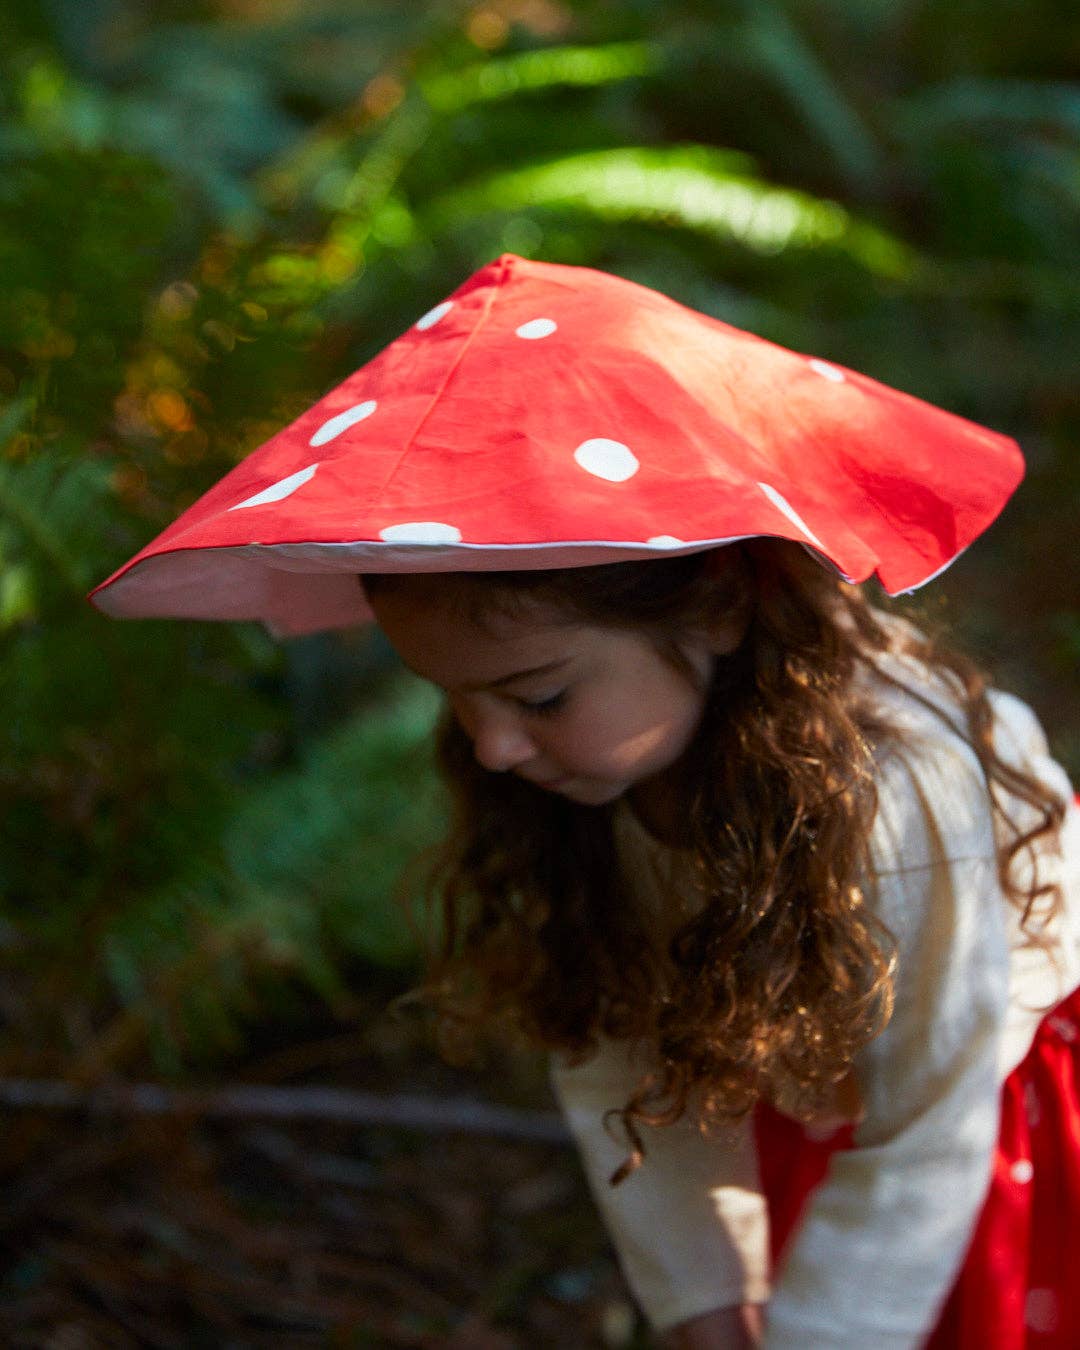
(690, 1226)
(886, 1231)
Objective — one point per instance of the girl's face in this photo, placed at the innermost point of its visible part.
(588, 712)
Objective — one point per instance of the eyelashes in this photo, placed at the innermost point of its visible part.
(545, 707)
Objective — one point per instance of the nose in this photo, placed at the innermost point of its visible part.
(500, 742)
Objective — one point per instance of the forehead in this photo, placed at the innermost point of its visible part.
(444, 636)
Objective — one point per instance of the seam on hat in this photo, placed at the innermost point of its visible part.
(411, 438)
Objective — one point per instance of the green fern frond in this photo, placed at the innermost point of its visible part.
(961, 105)
(792, 64)
(696, 188)
(537, 71)
(303, 884)
(49, 507)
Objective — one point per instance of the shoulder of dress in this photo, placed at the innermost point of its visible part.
(929, 776)
(933, 808)
(933, 803)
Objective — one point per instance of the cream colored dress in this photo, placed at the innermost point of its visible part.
(886, 1231)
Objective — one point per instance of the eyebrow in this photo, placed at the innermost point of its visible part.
(516, 675)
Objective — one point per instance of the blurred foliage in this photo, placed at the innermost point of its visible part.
(211, 212)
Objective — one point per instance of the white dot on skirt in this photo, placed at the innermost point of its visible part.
(276, 492)
(828, 372)
(537, 328)
(421, 532)
(665, 541)
(1022, 1171)
(1041, 1310)
(343, 421)
(432, 317)
(607, 459)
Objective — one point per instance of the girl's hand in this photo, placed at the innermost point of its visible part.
(738, 1328)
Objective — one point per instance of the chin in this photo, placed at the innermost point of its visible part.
(591, 794)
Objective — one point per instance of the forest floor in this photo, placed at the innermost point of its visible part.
(121, 1230)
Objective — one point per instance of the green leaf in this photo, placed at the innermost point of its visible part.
(18, 598)
(800, 72)
(304, 884)
(696, 188)
(50, 505)
(340, 828)
(1001, 103)
(537, 71)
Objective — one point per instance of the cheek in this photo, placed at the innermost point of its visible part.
(645, 751)
(627, 733)
(592, 739)
(677, 709)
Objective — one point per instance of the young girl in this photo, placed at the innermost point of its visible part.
(725, 834)
(788, 893)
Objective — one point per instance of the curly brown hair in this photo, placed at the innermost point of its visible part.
(782, 972)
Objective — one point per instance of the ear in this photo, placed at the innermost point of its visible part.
(727, 636)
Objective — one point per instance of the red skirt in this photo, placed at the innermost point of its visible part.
(1019, 1286)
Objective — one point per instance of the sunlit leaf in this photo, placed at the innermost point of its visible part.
(695, 188)
(530, 72)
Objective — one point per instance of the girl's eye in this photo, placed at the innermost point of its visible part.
(544, 706)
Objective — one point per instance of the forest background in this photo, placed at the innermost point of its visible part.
(210, 213)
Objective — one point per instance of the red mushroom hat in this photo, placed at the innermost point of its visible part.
(555, 416)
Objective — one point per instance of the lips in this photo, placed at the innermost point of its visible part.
(548, 784)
